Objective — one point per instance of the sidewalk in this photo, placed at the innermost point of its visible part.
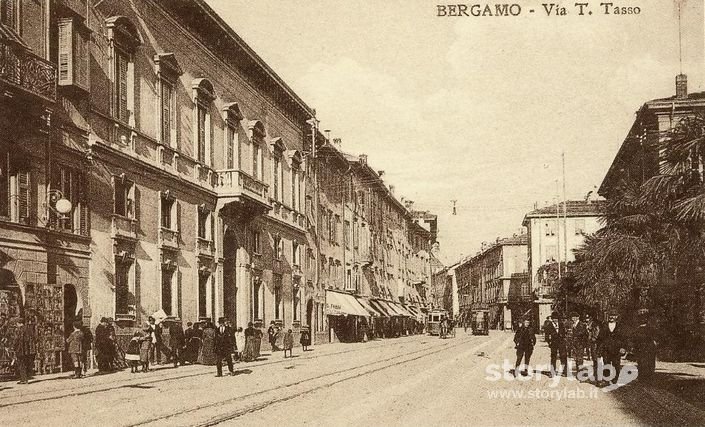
(51, 386)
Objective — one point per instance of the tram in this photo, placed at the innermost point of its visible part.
(433, 321)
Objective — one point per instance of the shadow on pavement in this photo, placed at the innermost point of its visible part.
(243, 372)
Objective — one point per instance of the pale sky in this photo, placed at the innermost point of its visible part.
(475, 109)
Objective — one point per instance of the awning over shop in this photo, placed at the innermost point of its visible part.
(382, 307)
(342, 304)
(401, 310)
(367, 304)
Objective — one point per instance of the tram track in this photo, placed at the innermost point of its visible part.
(49, 395)
(347, 374)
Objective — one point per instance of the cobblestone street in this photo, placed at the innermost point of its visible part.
(419, 380)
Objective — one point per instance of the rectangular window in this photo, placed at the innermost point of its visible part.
(293, 189)
(277, 248)
(278, 309)
(551, 252)
(167, 111)
(122, 197)
(232, 141)
(122, 89)
(295, 254)
(167, 208)
(122, 286)
(295, 303)
(277, 166)
(579, 227)
(256, 160)
(347, 234)
(204, 219)
(201, 133)
(167, 290)
(256, 245)
(69, 184)
(550, 227)
(203, 284)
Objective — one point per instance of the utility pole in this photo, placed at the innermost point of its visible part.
(565, 227)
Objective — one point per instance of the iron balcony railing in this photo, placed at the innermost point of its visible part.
(23, 69)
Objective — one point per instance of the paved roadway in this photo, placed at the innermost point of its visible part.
(411, 381)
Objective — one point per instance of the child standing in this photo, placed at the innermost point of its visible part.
(288, 343)
(133, 352)
(75, 342)
(145, 346)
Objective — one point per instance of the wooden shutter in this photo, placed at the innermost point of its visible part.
(81, 59)
(166, 112)
(177, 208)
(201, 134)
(66, 58)
(24, 197)
(122, 67)
(84, 223)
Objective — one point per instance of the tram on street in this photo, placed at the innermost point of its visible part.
(433, 321)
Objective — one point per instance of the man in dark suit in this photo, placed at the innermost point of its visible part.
(611, 344)
(524, 341)
(224, 346)
(555, 336)
(176, 341)
(25, 347)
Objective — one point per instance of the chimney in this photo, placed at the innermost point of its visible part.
(337, 142)
(363, 159)
(681, 86)
(391, 189)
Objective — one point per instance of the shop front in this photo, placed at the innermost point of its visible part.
(348, 321)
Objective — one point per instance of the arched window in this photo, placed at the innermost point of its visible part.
(257, 134)
(168, 72)
(124, 40)
(203, 96)
(232, 117)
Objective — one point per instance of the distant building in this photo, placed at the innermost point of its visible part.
(484, 280)
(552, 237)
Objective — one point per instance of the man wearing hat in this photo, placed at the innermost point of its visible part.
(224, 346)
(593, 329)
(555, 336)
(103, 345)
(25, 347)
(176, 341)
(611, 344)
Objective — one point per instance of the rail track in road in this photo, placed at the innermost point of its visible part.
(306, 386)
(112, 385)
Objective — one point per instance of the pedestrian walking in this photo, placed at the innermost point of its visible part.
(272, 336)
(208, 356)
(288, 343)
(579, 340)
(224, 344)
(556, 342)
(25, 348)
(524, 342)
(611, 344)
(86, 348)
(192, 343)
(593, 328)
(305, 339)
(546, 325)
(239, 342)
(248, 354)
(645, 347)
(132, 355)
(258, 342)
(75, 349)
(146, 346)
(158, 346)
(103, 346)
(176, 341)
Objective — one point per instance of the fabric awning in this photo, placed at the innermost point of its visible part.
(367, 304)
(382, 307)
(401, 310)
(342, 304)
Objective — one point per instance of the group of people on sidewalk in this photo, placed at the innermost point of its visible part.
(582, 338)
(203, 343)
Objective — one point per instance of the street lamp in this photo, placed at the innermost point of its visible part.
(57, 203)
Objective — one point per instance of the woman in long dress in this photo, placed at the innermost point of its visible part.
(208, 356)
(258, 341)
(248, 353)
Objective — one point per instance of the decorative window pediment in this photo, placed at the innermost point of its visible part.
(256, 129)
(294, 157)
(203, 90)
(123, 32)
(232, 113)
(167, 66)
(277, 145)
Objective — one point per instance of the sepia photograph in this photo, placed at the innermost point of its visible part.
(349, 213)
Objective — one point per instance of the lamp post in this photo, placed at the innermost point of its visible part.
(57, 203)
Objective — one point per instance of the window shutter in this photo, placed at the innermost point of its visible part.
(24, 197)
(177, 208)
(84, 226)
(66, 52)
(81, 60)
(122, 86)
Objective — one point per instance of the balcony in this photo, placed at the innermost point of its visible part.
(76, 6)
(168, 239)
(24, 72)
(124, 228)
(242, 192)
(205, 247)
